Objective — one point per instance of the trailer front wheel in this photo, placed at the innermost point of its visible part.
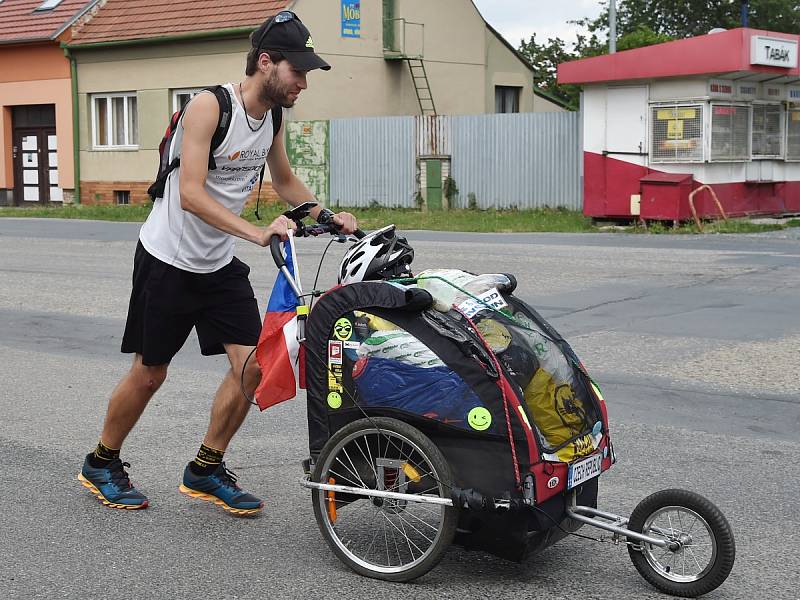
(701, 547)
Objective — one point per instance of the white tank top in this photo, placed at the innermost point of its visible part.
(179, 238)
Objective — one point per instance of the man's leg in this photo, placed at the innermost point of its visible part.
(129, 399)
(206, 476)
(103, 473)
(230, 404)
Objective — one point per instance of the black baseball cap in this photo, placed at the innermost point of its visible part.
(286, 33)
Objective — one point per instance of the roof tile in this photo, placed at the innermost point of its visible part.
(20, 21)
(119, 20)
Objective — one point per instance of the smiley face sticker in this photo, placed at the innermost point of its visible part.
(343, 329)
(479, 418)
(335, 400)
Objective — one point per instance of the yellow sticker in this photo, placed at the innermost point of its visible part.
(479, 418)
(335, 400)
(675, 129)
(665, 114)
(343, 329)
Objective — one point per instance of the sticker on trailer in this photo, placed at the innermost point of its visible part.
(491, 299)
(334, 352)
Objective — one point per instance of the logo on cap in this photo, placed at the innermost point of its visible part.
(309, 42)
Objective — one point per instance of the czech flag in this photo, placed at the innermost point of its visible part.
(278, 350)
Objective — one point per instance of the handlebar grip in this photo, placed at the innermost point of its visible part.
(275, 248)
(359, 234)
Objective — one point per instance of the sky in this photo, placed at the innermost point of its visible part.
(519, 19)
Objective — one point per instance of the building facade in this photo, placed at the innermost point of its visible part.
(389, 58)
(36, 111)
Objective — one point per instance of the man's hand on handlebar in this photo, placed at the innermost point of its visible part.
(346, 222)
(280, 227)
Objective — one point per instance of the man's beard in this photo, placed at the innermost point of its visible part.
(274, 93)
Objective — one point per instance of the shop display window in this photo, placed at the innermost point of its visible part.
(676, 133)
(793, 134)
(730, 132)
(767, 131)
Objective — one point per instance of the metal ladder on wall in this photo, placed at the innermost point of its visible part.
(420, 78)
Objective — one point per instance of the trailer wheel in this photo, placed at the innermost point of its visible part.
(702, 549)
(389, 539)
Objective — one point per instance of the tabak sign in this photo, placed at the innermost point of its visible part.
(773, 52)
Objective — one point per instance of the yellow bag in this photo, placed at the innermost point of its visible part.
(558, 415)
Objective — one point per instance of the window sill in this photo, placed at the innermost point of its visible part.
(114, 149)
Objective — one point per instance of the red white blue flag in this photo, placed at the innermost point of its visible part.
(278, 350)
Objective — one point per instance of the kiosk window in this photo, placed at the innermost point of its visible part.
(767, 130)
(793, 134)
(730, 132)
(676, 133)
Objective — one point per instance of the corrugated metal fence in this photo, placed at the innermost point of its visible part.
(526, 160)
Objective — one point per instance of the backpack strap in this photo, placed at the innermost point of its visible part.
(223, 97)
(277, 121)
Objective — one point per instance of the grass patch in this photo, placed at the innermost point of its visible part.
(502, 221)
(134, 212)
(729, 226)
(369, 218)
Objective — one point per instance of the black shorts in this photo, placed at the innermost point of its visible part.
(166, 302)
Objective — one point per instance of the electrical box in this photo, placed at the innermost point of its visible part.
(665, 196)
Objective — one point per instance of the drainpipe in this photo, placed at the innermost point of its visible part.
(76, 132)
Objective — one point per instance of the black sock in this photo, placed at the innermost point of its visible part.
(103, 455)
(207, 460)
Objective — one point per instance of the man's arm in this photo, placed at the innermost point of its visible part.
(289, 187)
(199, 122)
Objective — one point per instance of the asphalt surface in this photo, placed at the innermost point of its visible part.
(695, 341)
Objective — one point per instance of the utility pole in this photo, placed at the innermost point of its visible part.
(745, 13)
(612, 26)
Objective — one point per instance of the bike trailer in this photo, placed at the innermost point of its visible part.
(479, 372)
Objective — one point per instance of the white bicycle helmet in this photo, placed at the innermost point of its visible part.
(379, 255)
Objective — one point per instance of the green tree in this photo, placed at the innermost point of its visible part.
(545, 59)
(688, 18)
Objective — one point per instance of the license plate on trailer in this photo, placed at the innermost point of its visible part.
(583, 470)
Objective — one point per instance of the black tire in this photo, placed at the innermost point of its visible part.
(364, 439)
(712, 559)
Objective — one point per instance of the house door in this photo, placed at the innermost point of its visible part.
(35, 166)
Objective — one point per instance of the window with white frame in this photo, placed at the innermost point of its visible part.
(767, 130)
(180, 98)
(676, 133)
(793, 134)
(115, 121)
(730, 132)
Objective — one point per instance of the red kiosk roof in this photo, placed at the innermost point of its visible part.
(714, 53)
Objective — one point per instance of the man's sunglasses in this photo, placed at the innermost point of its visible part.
(282, 17)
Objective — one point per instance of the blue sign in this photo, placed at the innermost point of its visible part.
(351, 18)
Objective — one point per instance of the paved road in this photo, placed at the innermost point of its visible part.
(695, 341)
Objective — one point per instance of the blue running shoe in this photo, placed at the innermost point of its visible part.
(220, 488)
(111, 485)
